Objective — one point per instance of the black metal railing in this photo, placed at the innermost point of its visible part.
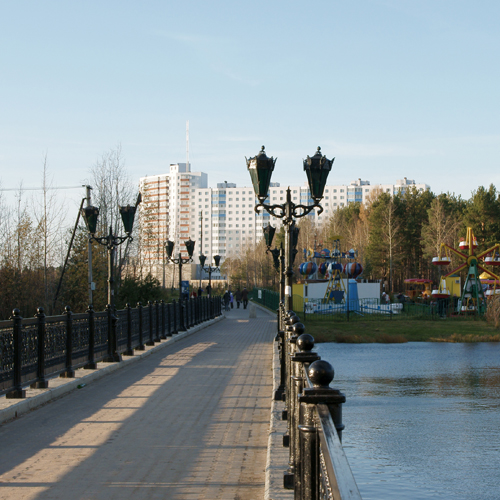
(317, 467)
(33, 349)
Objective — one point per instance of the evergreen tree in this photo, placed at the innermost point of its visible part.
(482, 213)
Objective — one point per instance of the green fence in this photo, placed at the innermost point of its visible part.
(365, 309)
(267, 298)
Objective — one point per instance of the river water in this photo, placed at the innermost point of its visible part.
(422, 419)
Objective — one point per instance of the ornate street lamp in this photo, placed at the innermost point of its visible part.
(169, 248)
(278, 257)
(209, 269)
(317, 169)
(91, 214)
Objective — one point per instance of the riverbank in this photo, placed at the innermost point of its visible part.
(399, 330)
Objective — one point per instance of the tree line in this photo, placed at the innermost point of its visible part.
(34, 243)
(395, 236)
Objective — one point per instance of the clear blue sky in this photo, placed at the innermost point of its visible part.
(391, 88)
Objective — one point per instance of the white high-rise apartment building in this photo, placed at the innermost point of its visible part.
(165, 211)
(222, 220)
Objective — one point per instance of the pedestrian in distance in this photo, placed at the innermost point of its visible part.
(237, 296)
(231, 299)
(244, 297)
(227, 300)
(200, 291)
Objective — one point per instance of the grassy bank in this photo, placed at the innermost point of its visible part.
(330, 329)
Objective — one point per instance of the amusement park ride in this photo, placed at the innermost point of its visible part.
(332, 269)
(473, 298)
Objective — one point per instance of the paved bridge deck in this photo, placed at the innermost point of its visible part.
(190, 421)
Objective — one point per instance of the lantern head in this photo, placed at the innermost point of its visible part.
(261, 169)
(317, 169)
(128, 214)
(189, 246)
(90, 215)
(169, 248)
(269, 232)
(203, 258)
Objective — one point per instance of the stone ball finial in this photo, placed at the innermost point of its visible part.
(292, 320)
(321, 373)
(40, 311)
(298, 329)
(305, 342)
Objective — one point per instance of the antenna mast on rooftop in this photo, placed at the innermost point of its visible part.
(187, 147)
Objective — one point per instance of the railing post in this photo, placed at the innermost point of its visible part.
(112, 355)
(150, 315)
(69, 372)
(40, 383)
(300, 361)
(174, 311)
(180, 304)
(17, 392)
(158, 324)
(320, 373)
(129, 351)
(169, 320)
(141, 346)
(280, 391)
(91, 363)
(294, 331)
(290, 321)
(163, 334)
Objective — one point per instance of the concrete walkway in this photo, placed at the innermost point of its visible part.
(189, 422)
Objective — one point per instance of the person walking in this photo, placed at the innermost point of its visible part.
(231, 299)
(244, 297)
(238, 298)
(227, 299)
(200, 291)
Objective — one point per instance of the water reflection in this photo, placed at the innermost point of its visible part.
(421, 418)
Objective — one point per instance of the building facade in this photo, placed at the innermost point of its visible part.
(222, 220)
(165, 215)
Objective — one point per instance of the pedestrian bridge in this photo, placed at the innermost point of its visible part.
(186, 418)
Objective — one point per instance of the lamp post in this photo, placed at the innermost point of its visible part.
(209, 269)
(111, 242)
(278, 258)
(317, 169)
(169, 247)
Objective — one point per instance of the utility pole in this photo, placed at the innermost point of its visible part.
(91, 284)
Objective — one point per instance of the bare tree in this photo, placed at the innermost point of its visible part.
(111, 187)
(48, 216)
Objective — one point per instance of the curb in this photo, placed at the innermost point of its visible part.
(11, 408)
(277, 454)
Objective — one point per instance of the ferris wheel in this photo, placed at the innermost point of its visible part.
(472, 298)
